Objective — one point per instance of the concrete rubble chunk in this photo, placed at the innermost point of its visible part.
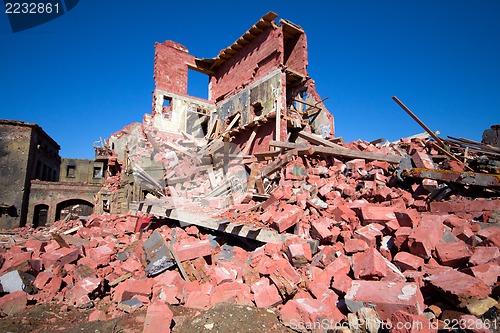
(12, 282)
(130, 305)
(158, 256)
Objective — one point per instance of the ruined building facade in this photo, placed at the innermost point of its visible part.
(259, 91)
(37, 186)
(262, 75)
(26, 153)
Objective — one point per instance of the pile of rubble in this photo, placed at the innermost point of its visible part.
(344, 236)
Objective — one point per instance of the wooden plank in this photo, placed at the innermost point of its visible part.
(178, 148)
(307, 103)
(315, 139)
(452, 157)
(211, 128)
(344, 152)
(177, 261)
(211, 177)
(233, 122)
(249, 142)
(122, 278)
(420, 122)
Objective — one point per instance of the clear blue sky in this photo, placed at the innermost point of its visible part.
(88, 73)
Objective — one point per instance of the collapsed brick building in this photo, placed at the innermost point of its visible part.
(248, 198)
(258, 91)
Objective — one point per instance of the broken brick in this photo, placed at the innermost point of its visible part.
(386, 297)
(13, 303)
(158, 318)
(188, 251)
(369, 265)
(406, 261)
(265, 294)
(453, 254)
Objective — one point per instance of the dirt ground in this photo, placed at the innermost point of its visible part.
(223, 318)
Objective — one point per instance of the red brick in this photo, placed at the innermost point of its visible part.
(369, 265)
(376, 214)
(13, 303)
(97, 315)
(158, 318)
(422, 160)
(224, 273)
(197, 300)
(51, 246)
(371, 234)
(265, 294)
(385, 297)
(430, 184)
(401, 237)
(483, 254)
(299, 254)
(60, 257)
(284, 277)
(42, 278)
(321, 232)
(307, 311)
(52, 287)
(232, 292)
(287, 218)
(169, 278)
(355, 165)
(490, 235)
(406, 261)
(168, 294)
(188, 251)
(34, 245)
(463, 233)
(425, 237)
(454, 221)
(453, 254)
(128, 288)
(101, 255)
(355, 245)
(408, 218)
(341, 282)
(464, 206)
(488, 273)
(415, 276)
(404, 322)
(460, 286)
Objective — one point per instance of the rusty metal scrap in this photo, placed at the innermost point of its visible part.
(465, 178)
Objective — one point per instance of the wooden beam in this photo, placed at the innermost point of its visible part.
(420, 122)
(452, 157)
(233, 122)
(307, 103)
(344, 152)
(249, 142)
(318, 140)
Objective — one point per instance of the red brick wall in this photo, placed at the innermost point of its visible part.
(171, 70)
(297, 61)
(252, 62)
